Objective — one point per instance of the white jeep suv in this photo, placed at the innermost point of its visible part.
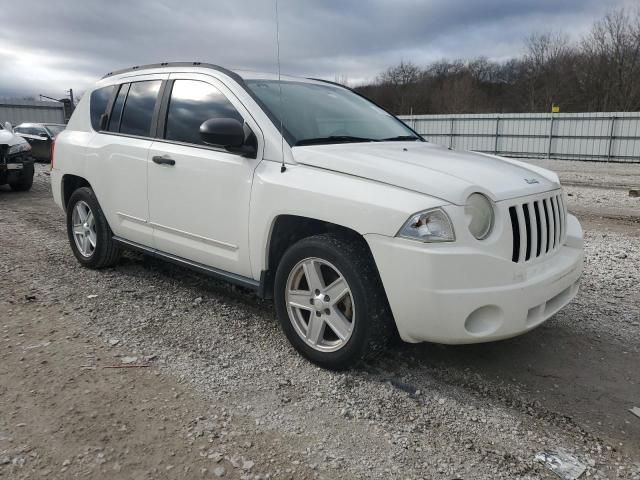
(312, 195)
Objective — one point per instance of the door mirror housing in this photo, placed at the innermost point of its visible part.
(229, 133)
(225, 132)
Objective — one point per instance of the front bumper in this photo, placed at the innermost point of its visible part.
(454, 294)
(11, 166)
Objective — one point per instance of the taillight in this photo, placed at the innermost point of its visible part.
(53, 147)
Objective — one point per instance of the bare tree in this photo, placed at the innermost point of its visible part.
(404, 73)
(599, 73)
(611, 61)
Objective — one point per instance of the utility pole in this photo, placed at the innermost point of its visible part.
(73, 104)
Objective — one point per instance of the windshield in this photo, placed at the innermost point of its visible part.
(321, 114)
(54, 130)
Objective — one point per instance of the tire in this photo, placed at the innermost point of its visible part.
(371, 323)
(105, 252)
(25, 180)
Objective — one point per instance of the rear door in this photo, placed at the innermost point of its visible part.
(199, 205)
(119, 156)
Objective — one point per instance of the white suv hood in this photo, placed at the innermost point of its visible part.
(431, 169)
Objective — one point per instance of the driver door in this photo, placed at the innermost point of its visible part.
(199, 194)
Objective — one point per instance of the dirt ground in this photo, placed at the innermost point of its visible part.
(149, 371)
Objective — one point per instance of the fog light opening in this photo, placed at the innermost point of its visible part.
(484, 321)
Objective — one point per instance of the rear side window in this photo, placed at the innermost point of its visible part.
(138, 108)
(192, 103)
(116, 111)
(98, 106)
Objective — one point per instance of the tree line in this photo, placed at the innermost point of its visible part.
(598, 73)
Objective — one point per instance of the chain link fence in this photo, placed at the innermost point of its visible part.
(601, 136)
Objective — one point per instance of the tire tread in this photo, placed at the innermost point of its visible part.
(107, 252)
(380, 328)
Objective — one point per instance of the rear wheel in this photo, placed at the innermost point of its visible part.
(89, 234)
(24, 181)
(330, 301)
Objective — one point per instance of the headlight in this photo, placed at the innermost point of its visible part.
(479, 214)
(20, 147)
(429, 226)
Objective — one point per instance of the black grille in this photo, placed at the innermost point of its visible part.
(538, 227)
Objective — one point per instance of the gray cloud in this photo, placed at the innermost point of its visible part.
(49, 47)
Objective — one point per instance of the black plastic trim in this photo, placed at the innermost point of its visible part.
(157, 108)
(210, 271)
(164, 108)
(266, 285)
(126, 86)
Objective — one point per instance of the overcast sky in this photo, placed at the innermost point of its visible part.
(48, 47)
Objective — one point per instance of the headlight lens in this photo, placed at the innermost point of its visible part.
(479, 214)
(20, 147)
(429, 226)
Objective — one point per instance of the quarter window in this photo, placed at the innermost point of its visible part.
(98, 105)
(192, 103)
(138, 108)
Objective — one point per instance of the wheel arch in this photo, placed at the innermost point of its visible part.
(288, 229)
(70, 183)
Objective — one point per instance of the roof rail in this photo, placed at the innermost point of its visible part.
(228, 72)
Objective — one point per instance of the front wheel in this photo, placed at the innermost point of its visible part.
(24, 180)
(89, 234)
(330, 301)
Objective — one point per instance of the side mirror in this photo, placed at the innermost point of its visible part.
(225, 132)
(8, 126)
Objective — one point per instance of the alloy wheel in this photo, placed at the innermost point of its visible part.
(320, 304)
(84, 228)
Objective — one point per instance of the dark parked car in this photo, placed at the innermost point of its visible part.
(16, 163)
(41, 137)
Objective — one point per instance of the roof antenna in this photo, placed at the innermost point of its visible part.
(283, 168)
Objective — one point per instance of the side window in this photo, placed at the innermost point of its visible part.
(138, 108)
(116, 111)
(98, 104)
(192, 103)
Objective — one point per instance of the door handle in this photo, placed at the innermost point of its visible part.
(163, 160)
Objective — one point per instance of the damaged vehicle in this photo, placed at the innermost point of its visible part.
(312, 195)
(16, 161)
(41, 137)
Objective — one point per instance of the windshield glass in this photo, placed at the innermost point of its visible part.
(320, 114)
(54, 130)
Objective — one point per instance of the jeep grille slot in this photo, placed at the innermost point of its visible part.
(515, 229)
(538, 227)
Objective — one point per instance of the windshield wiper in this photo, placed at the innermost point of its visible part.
(401, 138)
(334, 139)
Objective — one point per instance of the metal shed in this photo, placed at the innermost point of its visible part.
(19, 111)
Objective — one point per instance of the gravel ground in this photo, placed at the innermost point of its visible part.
(620, 175)
(242, 400)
